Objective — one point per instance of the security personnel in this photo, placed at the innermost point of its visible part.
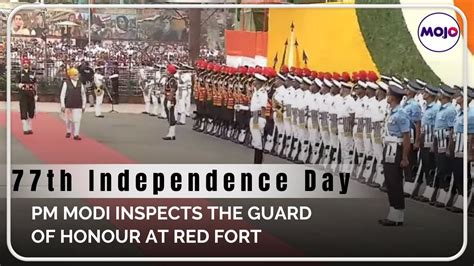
(335, 101)
(367, 132)
(470, 145)
(444, 123)
(413, 109)
(28, 87)
(428, 165)
(270, 128)
(73, 102)
(171, 88)
(457, 150)
(345, 126)
(396, 152)
(324, 122)
(86, 76)
(303, 115)
(288, 122)
(278, 106)
(258, 104)
(379, 112)
(313, 122)
(358, 133)
(99, 92)
(297, 101)
(142, 83)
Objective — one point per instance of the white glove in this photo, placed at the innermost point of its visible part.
(36, 98)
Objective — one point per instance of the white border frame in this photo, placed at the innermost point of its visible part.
(229, 259)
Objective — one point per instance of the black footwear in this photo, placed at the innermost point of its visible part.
(454, 209)
(180, 124)
(99, 116)
(169, 138)
(145, 113)
(361, 180)
(386, 222)
(383, 189)
(439, 205)
(374, 185)
(77, 138)
(406, 195)
(471, 214)
(68, 135)
(422, 199)
(152, 115)
(26, 133)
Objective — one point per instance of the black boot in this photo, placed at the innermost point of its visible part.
(258, 156)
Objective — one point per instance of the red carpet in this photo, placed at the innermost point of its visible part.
(50, 146)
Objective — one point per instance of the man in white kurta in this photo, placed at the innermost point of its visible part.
(73, 103)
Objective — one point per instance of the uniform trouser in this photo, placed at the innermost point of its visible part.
(146, 100)
(359, 149)
(394, 180)
(115, 90)
(162, 106)
(269, 133)
(170, 114)
(257, 131)
(288, 135)
(314, 140)
(154, 106)
(346, 149)
(378, 157)
(326, 141)
(412, 160)
(334, 145)
(428, 166)
(369, 153)
(73, 120)
(280, 128)
(27, 104)
(443, 175)
(458, 175)
(304, 142)
(98, 104)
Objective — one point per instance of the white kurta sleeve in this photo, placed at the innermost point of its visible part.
(63, 95)
(83, 94)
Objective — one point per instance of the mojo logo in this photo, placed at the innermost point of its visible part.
(439, 32)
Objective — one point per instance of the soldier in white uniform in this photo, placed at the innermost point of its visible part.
(184, 97)
(324, 122)
(345, 125)
(313, 121)
(99, 82)
(303, 116)
(142, 82)
(278, 114)
(288, 123)
(335, 102)
(368, 149)
(295, 117)
(257, 120)
(160, 96)
(358, 132)
(379, 112)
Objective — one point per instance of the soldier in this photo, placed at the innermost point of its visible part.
(358, 131)
(142, 83)
(470, 132)
(27, 92)
(229, 104)
(444, 123)
(184, 88)
(86, 76)
(379, 112)
(288, 100)
(335, 101)
(278, 106)
(257, 121)
(345, 126)
(99, 85)
(171, 87)
(457, 151)
(303, 114)
(269, 132)
(313, 121)
(413, 110)
(245, 97)
(367, 132)
(324, 120)
(427, 155)
(73, 103)
(396, 152)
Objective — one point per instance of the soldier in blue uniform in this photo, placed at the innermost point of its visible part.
(428, 165)
(396, 152)
(413, 109)
(470, 132)
(444, 123)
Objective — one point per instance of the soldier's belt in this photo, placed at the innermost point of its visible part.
(392, 139)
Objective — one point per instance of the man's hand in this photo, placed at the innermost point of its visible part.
(404, 163)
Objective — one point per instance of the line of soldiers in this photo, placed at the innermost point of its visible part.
(350, 123)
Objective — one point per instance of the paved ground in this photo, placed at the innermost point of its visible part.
(338, 228)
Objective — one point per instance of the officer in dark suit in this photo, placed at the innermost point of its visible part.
(27, 86)
(396, 154)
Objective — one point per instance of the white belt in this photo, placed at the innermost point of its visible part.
(392, 139)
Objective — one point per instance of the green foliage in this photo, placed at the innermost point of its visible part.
(49, 87)
(390, 43)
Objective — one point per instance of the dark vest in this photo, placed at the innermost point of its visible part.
(73, 95)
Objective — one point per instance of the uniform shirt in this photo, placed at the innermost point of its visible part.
(413, 110)
(459, 122)
(379, 110)
(429, 116)
(259, 100)
(347, 107)
(279, 94)
(359, 107)
(421, 102)
(315, 102)
(299, 101)
(445, 117)
(398, 122)
(98, 79)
